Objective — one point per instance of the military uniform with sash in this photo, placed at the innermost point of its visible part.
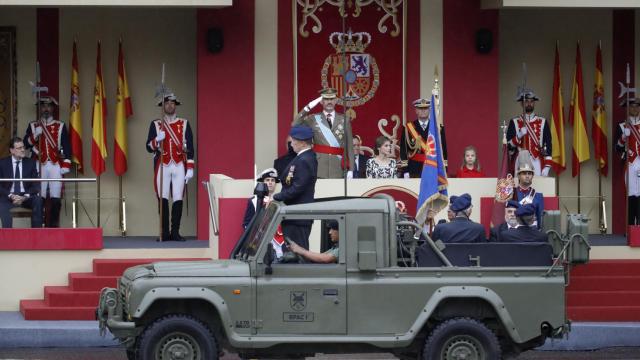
(49, 142)
(331, 133)
(176, 138)
(628, 138)
(418, 132)
(531, 132)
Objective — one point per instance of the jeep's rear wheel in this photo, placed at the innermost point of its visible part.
(461, 338)
(177, 337)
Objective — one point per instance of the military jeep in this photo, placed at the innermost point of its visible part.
(393, 289)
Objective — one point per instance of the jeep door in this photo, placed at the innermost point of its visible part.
(302, 299)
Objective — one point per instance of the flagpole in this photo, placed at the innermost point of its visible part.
(120, 208)
(98, 200)
(75, 198)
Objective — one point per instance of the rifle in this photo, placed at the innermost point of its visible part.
(162, 90)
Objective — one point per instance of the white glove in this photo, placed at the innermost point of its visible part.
(406, 175)
(349, 174)
(64, 170)
(312, 104)
(627, 132)
(188, 176)
(38, 131)
(160, 136)
(522, 133)
(545, 171)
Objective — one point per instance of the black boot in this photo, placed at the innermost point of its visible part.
(54, 217)
(176, 216)
(165, 220)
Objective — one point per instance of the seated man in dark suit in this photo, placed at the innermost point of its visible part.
(527, 230)
(510, 221)
(461, 229)
(19, 193)
(360, 159)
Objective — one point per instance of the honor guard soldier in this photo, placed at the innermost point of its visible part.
(48, 140)
(524, 192)
(331, 133)
(418, 133)
(172, 137)
(628, 134)
(530, 132)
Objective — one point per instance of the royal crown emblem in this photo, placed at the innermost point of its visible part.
(350, 70)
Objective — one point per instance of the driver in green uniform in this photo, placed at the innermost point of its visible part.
(327, 257)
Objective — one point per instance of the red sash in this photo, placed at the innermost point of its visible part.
(330, 150)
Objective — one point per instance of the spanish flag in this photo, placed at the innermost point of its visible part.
(558, 161)
(123, 111)
(75, 120)
(98, 125)
(577, 118)
(599, 118)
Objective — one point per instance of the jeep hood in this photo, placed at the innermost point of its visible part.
(228, 268)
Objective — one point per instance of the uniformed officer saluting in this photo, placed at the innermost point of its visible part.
(48, 139)
(174, 135)
(298, 183)
(331, 133)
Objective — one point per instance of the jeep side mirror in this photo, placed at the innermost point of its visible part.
(268, 259)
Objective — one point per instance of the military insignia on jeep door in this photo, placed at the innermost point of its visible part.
(298, 300)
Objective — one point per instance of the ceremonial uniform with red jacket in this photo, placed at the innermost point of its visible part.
(177, 160)
(631, 143)
(537, 139)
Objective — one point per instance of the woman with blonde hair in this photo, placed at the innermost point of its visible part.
(470, 167)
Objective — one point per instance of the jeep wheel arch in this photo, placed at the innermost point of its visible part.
(176, 336)
(461, 338)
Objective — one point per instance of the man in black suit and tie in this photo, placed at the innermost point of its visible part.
(19, 193)
(360, 161)
(298, 183)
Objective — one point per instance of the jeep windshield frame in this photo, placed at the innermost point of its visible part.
(256, 232)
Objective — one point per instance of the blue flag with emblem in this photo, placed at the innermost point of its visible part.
(433, 183)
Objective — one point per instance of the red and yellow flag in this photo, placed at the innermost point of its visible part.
(577, 118)
(599, 118)
(98, 122)
(75, 120)
(558, 161)
(123, 111)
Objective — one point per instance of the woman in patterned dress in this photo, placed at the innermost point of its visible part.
(383, 165)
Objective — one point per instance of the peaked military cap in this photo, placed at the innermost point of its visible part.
(268, 173)
(527, 94)
(170, 97)
(525, 210)
(328, 93)
(463, 202)
(422, 103)
(301, 132)
(48, 100)
(512, 204)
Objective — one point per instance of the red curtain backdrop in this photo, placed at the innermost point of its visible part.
(314, 49)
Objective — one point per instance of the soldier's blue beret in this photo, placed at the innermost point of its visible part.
(512, 204)
(452, 198)
(525, 210)
(301, 132)
(463, 202)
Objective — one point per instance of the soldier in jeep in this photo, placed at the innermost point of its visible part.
(327, 257)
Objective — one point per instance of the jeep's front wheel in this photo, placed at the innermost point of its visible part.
(461, 338)
(177, 337)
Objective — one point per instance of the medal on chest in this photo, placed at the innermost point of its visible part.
(292, 168)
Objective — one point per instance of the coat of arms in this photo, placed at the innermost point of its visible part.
(350, 70)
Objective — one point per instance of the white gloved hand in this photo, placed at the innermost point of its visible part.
(627, 132)
(349, 174)
(406, 175)
(522, 133)
(545, 171)
(38, 131)
(313, 104)
(64, 170)
(188, 176)
(160, 136)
